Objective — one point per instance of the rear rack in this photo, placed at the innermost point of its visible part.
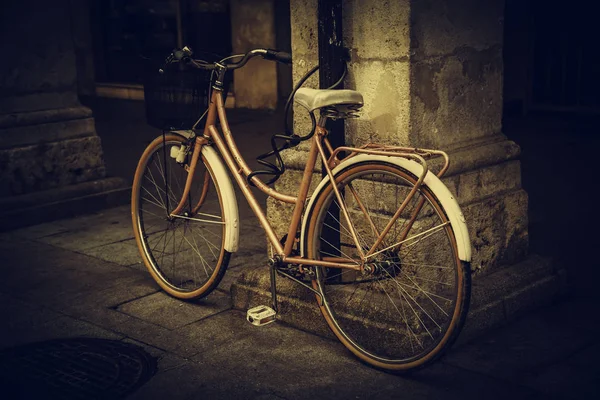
(417, 154)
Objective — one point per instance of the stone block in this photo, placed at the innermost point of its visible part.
(488, 288)
(485, 182)
(474, 154)
(536, 295)
(384, 36)
(19, 129)
(385, 117)
(303, 14)
(456, 99)
(440, 27)
(48, 165)
(62, 202)
(498, 230)
(304, 41)
(482, 320)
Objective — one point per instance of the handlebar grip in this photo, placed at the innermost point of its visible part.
(280, 56)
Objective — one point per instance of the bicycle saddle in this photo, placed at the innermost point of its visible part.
(312, 99)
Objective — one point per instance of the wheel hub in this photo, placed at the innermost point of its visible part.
(389, 266)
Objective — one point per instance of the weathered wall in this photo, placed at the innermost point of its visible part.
(456, 70)
(378, 35)
(430, 72)
(253, 26)
(456, 105)
(47, 139)
(38, 66)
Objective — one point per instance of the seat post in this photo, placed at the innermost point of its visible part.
(322, 119)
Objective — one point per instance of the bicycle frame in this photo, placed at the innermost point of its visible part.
(240, 171)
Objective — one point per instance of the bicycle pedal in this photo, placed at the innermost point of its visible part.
(261, 315)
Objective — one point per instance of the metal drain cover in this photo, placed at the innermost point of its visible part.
(77, 368)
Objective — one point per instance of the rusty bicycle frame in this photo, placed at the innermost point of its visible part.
(240, 171)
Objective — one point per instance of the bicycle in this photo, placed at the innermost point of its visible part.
(385, 249)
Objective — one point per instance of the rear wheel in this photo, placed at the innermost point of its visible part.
(411, 301)
(184, 253)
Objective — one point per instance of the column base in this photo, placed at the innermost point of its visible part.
(497, 298)
(53, 167)
(64, 202)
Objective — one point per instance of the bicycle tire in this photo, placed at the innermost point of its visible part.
(185, 255)
(381, 331)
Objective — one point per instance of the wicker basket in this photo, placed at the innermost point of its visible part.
(176, 98)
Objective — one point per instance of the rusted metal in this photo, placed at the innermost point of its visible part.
(205, 185)
(394, 151)
(317, 141)
(241, 181)
(200, 141)
(233, 149)
(321, 263)
(302, 193)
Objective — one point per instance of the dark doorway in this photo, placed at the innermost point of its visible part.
(551, 109)
(129, 33)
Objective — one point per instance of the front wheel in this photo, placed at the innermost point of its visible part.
(410, 302)
(184, 253)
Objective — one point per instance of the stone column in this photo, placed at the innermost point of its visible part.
(253, 26)
(431, 75)
(49, 149)
(430, 72)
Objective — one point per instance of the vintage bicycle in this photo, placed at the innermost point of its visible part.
(381, 241)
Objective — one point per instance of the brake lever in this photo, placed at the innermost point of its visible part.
(178, 55)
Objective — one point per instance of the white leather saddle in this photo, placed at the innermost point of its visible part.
(313, 99)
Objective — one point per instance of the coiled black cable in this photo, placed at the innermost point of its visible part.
(289, 137)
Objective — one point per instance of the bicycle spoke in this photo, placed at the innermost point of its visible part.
(400, 307)
(403, 315)
(184, 251)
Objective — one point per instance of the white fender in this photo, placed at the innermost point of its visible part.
(230, 205)
(441, 192)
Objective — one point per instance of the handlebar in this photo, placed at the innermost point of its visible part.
(184, 56)
(279, 56)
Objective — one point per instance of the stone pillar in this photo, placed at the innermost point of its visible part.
(48, 140)
(253, 26)
(430, 72)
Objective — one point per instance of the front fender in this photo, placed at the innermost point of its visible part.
(227, 192)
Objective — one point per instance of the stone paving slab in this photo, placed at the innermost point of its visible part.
(165, 361)
(276, 361)
(96, 219)
(124, 253)
(43, 273)
(39, 231)
(532, 343)
(140, 330)
(171, 313)
(136, 285)
(206, 350)
(56, 328)
(89, 236)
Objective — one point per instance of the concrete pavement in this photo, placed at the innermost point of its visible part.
(83, 277)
